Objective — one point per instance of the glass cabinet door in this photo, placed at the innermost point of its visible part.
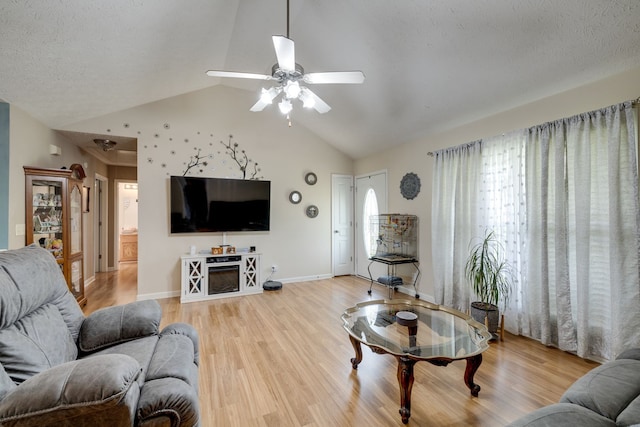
(53, 219)
(76, 278)
(47, 209)
(75, 219)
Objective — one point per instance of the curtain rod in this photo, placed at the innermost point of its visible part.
(634, 102)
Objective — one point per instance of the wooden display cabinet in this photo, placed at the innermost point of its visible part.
(53, 210)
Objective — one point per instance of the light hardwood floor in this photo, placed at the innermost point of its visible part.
(281, 358)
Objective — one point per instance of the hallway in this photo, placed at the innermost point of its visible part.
(113, 287)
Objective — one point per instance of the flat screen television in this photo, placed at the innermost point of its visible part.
(204, 205)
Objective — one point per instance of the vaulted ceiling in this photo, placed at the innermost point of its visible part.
(430, 65)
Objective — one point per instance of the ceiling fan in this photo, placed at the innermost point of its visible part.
(290, 78)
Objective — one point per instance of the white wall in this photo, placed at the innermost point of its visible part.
(300, 246)
(29, 142)
(170, 131)
(412, 157)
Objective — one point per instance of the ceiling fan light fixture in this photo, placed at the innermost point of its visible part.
(268, 95)
(307, 100)
(105, 144)
(285, 106)
(292, 89)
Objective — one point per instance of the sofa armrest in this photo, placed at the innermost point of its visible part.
(632, 353)
(187, 330)
(117, 324)
(171, 400)
(94, 388)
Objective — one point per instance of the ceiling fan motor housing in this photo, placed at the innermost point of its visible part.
(282, 76)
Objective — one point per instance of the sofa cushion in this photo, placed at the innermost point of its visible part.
(174, 357)
(115, 325)
(6, 383)
(36, 342)
(631, 353)
(96, 388)
(26, 286)
(630, 416)
(562, 414)
(141, 350)
(607, 389)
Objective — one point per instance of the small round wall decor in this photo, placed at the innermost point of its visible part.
(295, 197)
(410, 186)
(312, 211)
(310, 178)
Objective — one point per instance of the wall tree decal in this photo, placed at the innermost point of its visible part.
(241, 158)
(197, 160)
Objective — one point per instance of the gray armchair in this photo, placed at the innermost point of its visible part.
(606, 396)
(112, 368)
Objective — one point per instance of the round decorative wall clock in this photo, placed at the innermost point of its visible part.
(410, 186)
(295, 197)
(312, 211)
(310, 178)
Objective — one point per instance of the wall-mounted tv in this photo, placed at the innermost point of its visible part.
(204, 205)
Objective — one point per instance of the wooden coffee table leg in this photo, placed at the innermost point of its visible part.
(473, 363)
(358, 348)
(405, 379)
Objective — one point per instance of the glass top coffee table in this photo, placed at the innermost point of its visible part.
(414, 330)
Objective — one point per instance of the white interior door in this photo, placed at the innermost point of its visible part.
(371, 199)
(342, 224)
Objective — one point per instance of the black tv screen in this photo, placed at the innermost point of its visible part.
(202, 205)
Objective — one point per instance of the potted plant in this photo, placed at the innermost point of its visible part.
(491, 279)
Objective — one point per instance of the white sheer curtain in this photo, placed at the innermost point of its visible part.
(583, 280)
(502, 206)
(454, 220)
(563, 199)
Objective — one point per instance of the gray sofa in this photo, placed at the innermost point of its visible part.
(607, 396)
(111, 368)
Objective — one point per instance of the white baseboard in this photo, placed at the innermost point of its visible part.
(304, 278)
(172, 294)
(89, 281)
(158, 295)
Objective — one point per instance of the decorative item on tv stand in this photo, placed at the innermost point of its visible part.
(491, 279)
(223, 249)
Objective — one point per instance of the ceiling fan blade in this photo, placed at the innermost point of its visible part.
(266, 98)
(238, 75)
(285, 52)
(334, 77)
(259, 106)
(314, 100)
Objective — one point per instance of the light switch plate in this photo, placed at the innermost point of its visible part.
(20, 229)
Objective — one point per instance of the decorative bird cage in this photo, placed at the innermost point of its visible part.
(396, 236)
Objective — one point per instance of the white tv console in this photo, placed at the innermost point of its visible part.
(207, 276)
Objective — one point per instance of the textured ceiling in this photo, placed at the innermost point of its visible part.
(430, 64)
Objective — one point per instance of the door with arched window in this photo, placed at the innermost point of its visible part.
(371, 200)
